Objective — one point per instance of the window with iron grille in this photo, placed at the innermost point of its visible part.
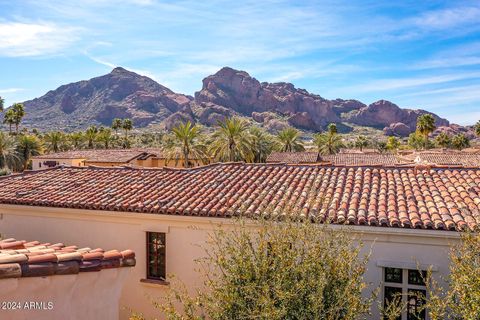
(406, 286)
(156, 255)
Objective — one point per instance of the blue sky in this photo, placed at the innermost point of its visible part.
(420, 54)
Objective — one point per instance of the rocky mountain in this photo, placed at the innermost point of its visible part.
(123, 93)
(119, 94)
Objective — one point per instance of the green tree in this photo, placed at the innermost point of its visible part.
(287, 270)
(417, 141)
(76, 139)
(127, 126)
(54, 141)
(9, 118)
(105, 137)
(329, 142)
(231, 141)
(460, 141)
(425, 126)
(262, 144)
(381, 146)
(19, 113)
(289, 140)
(8, 152)
(461, 298)
(477, 128)
(443, 140)
(91, 136)
(117, 124)
(28, 147)
(393, 144)
(2, 104)
(361, 142)
(185, 143)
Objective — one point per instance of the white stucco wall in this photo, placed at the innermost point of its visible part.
(87, 295)
(122, 230)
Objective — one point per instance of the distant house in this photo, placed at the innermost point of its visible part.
(450, 158)
(137, 157)
(52, 281)
(294, 157)
(340, 159)
(408, 216)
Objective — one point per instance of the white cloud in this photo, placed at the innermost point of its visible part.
(102, 62)
(113, 65)
(449, 18)
(10, 90)
(401, 83)
(34, 39)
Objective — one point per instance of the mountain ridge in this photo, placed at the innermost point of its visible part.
(122, 93)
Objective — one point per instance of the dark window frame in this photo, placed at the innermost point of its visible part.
(160, 268)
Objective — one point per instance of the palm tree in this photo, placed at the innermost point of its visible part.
(262, 144)
(105, 136)
(361, 142)
(460, 141)
(54, 140)
(329, 142)
(19, 113)
(127, 126)
(8, 152)
(28, 146)
(9, 118)
(76, 138)
(2, 104)
(443, 140)
(477, 128)
(289, 140)
(185, 143)
(425, 126)
(91, 136)
(231, 141)
(392, 144)
(332, 129)
(117, 124)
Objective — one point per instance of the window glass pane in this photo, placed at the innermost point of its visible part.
(417, 278)
(156, 255)
(392, 296)
(415, 306)
(393, 275)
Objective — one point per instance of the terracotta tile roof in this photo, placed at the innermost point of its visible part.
(361, 159)
(410, 197)
(36, 259)
(293, 157)
(448, 158)
(102, 155)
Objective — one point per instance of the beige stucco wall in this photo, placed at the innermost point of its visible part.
(389, 246)
(87, 295)
(70, 162)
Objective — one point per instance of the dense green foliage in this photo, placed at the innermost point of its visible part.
(329, 142)
(233, 139)
(288, 140)
(271, 270)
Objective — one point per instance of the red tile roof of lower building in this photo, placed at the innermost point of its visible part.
(19, 258)
(103, 155)
(408, 197)
(362, 159)
(293, 157)
(448, 158)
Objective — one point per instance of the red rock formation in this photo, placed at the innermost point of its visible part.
(238, 91)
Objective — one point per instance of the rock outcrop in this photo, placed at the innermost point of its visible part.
(238, 91)
(119, 94)
(229, 92)
(384, 114)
